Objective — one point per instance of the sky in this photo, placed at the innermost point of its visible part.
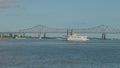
(22, 14)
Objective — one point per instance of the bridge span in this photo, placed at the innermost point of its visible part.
(41, 29)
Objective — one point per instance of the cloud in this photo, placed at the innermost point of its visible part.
(7, 3)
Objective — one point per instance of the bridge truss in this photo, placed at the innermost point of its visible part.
(97, 29)
(41, 29)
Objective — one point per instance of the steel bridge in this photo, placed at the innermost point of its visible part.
(41, 29)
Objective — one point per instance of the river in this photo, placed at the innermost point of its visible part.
(33, 53)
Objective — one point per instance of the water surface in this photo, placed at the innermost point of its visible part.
(59, 54)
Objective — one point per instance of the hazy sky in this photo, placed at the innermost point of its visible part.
(21, 14)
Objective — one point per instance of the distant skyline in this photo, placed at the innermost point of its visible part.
(21, 14)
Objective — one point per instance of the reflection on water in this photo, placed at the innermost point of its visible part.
(59, 54)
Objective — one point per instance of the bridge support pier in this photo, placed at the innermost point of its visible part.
(20, 35)
(1, 35)
(67, 32)
(24, 35)
(44, 35)
(71, 33)
(103, 36)
(17, 35)
(39, 35)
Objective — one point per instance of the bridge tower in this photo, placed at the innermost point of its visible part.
(103, 36)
